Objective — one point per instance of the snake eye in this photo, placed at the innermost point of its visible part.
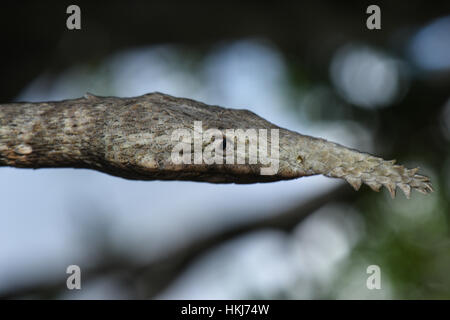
(299, 159)
(227, 142)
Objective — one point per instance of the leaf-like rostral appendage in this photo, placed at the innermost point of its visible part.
(358, 168)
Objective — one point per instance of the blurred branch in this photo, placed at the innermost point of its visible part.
(149, 279)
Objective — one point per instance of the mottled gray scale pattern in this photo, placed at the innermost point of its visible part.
(131, 138)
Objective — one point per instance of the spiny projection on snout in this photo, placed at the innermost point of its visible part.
(132, 138)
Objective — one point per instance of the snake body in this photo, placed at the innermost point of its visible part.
(133, 138)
